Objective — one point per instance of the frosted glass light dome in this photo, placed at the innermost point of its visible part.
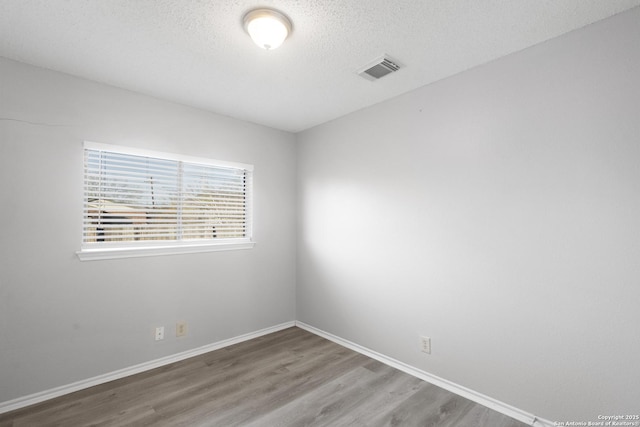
(268, 28)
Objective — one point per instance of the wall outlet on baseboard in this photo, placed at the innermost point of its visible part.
(159, 333)
(181, 329)
(425, 344)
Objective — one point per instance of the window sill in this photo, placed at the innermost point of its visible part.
(94, 254)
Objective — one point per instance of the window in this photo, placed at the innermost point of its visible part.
(139, 203)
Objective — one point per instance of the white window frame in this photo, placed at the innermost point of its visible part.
(100, 251)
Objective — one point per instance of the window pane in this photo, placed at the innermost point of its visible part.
(214, 205)
(131, 198)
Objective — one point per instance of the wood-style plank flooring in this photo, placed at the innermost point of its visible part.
(288, 378)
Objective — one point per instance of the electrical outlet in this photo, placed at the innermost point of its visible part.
(159, 333)
(181, 329)
(425, 345)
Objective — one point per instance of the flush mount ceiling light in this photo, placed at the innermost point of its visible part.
(267, 27)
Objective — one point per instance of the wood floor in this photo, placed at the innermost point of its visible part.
(288, 378)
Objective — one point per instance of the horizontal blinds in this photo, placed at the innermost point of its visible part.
(136, 198)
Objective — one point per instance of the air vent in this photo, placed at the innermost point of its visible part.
(379, 68)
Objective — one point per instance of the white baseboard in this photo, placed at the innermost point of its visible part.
(472, 395)
(541, 422)
(487, 401)
(31, 399)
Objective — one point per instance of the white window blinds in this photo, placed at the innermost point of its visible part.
(137, 198)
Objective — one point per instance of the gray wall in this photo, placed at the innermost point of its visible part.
(498, 212)
(62, 320)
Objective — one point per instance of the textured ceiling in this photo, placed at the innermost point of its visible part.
(195, 52)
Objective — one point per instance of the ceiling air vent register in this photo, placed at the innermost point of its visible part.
(379, 68)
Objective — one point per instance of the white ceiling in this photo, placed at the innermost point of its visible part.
(196, 52)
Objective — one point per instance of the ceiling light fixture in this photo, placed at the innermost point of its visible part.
(267, 27)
